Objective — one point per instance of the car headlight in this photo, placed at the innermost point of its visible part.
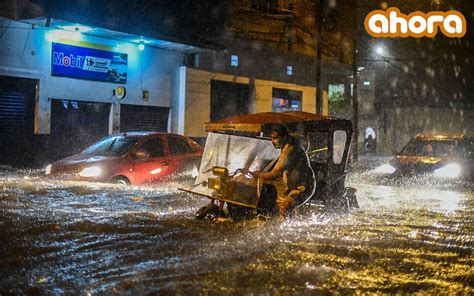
(90, 172)
(47, 170)
(449, 171)
(385, 169)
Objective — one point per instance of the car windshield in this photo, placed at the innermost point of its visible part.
(429, 148)
(113, 146)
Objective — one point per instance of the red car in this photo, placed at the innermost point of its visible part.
(132, 158)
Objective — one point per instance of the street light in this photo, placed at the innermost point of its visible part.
(380, 50)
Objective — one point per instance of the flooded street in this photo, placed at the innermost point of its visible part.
(69, 237)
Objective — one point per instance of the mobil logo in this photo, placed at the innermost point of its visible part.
(73, 61)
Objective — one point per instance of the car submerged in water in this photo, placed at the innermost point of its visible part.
(132, 158)
(242, 143)
(437, 156)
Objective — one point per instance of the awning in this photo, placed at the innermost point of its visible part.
(121, 36)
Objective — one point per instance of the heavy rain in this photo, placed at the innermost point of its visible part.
(135, 138)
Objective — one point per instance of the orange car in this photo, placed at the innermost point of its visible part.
(444, 156)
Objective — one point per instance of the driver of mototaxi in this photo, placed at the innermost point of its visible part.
(293, 166)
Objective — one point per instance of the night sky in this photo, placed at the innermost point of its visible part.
(154, 18)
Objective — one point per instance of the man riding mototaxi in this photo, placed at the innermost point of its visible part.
(293, 167)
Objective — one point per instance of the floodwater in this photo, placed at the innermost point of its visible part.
(69, 237)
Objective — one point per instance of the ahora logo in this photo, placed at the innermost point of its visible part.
(393, 23)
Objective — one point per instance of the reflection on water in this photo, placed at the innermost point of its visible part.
(384, 197)
(63, 237)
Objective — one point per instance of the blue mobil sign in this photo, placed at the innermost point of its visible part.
(88, 63)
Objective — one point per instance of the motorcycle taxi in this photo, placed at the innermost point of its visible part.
(239, 144)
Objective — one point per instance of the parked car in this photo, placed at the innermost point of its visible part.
(444, 156)
(244, 142)
(132, 158)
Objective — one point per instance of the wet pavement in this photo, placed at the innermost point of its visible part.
(60, 237)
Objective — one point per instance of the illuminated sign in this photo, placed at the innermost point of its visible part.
(88, 63)
(393, 23)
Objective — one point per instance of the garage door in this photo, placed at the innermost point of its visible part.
(75, 125)
(16, 120)
(143, 118)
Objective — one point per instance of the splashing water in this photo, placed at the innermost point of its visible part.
(63, 237)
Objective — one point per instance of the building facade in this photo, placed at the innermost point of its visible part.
(64, 85)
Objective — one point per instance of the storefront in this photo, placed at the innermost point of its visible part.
(64, 85)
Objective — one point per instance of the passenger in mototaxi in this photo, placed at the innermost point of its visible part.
(293, 166)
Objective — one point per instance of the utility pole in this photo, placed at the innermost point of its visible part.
(355, 102)
(355, 99)
(319, 46)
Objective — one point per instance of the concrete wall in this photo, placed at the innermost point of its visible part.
(197, 97)
(25, 51)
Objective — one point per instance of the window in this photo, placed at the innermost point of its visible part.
(154, 147)
(121, 145)
(179, 146)
(234, 60)
(318, 147)
(336, 92)
(339, 143)
(286, 100)
(100, 147)
(428, 148)
(338, 105)
(289, 70)
(116, 146)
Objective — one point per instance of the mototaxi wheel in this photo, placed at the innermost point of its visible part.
(239, 213)
(210, 211)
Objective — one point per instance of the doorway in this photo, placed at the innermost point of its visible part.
(228, 99)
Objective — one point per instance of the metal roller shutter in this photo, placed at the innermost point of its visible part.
(13, 114)
(143, 118)
(16, 120)
(75, 125)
